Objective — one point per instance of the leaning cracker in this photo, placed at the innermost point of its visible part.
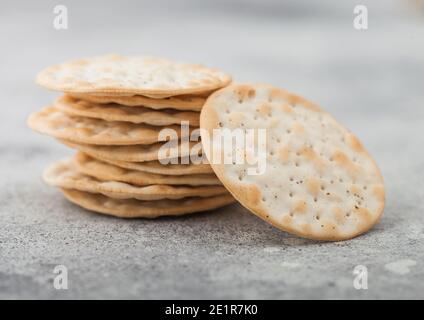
(109, 172)
(53, 122)
(115, 112)
(64, 174)
(146, 76)
(319, 181)
(132, 208)
(139, 153)
(183, 103)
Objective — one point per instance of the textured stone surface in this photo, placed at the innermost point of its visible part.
(370, 80)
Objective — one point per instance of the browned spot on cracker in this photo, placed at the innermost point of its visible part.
(378, 191)
(286, 108)
(313, 186)
(365, 217)
(283, 154)
(354, 143)
(342, 160)
(355, 190)
(339, 215)
(264, 110)
(300, 206)
(312, 156)
(277, 94)
(305, 228)
(253, 193)
(298, 128)
(287, 219)
(329, 229)
(310, 105)
(245, 92)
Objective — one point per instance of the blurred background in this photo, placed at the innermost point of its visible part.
(306, 46)
(371, 80)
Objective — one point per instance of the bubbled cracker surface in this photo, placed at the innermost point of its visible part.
(116, 112)
(319, 181)
(133, 74)
(132, 208)
(64, 174)
(104, 171)
(184, 102)
(54, 122)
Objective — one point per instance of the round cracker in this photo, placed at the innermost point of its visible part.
(132, 208)
(53, 122)
(116, 112)
(140, 153)
(109, 172)
(64, 174)
(183, 103)
(319, 181)
(146, 76)
(157, 167)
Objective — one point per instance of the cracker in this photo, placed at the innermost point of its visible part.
(53, 122)
(319, 181)
(109, 172)
(115, 112)
(146, 76)
(134, 153)
(132, 208)
(157, 167)
(64, 174)
(184, 102)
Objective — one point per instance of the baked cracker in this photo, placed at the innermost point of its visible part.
(115, 74)
(132, 208)
(319, 181)
(116, 112)
(109, 172)
(64, 174)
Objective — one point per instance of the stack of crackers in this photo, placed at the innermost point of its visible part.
(116, 112)
(313, 177)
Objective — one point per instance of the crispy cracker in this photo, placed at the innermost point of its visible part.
(64, 174)
(135, 153)
(146, 76)
(183, 103)
(115, 112)
(132, 208)
(109, 172)
(157, 167)
(319, 181)
(53, 122)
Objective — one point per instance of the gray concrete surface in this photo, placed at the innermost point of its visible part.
(372, 81)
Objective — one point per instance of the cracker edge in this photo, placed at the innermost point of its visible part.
(43, 80)
(225, 200)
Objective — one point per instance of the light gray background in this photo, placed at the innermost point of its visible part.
(372, 81)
